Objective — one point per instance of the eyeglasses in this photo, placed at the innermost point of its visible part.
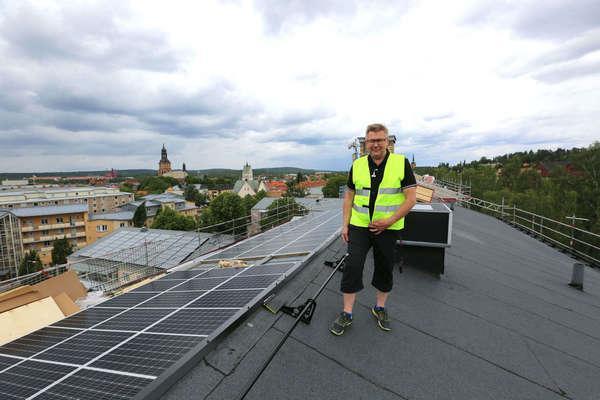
(376, 141)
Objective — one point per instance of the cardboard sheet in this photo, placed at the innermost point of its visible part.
(28, 318)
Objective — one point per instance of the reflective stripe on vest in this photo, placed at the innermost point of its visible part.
(389, 196)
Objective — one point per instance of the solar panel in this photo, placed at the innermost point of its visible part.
(6, 362)
(200, 284)
(120, 347)
(173, 299)
(27, 378)
(88, 318)
(135, 319)
(252, 281)
(128, 300)
(95, 385)
(83, 347)
(226, 298)
(194, 321)
(37, 341)
(147, 354)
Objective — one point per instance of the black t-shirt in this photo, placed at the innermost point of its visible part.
(377, 175)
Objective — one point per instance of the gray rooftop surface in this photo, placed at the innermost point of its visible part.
(114, 216)
(49, 210)
(310, 204)
(501, 323)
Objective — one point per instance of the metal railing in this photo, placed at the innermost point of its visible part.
(249, 225)
(582, 244)
(457, 187)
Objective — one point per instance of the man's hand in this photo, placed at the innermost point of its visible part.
(345, 233)
(380, 225)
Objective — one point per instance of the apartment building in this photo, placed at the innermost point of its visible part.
(40, 226)
(11, 245)
(98, 199)
(102, 224)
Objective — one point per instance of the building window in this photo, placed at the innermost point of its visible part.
(59, 220)
(46, 243)
(44, 221)
(45, 232)
(101, 228)
(122, 224)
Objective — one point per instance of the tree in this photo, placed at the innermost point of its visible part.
(139, 217)
(281, 211)
(222, 211)
(172, 220)
(192, 179)
(332, 188)
(30, 263)
(61, 248)
(192, 194)
(295, 190)
(157, 184)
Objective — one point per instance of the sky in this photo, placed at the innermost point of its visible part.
(88, 85)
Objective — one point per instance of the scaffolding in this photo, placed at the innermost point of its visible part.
(11, 245)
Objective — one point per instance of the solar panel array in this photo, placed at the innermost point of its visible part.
(163, 249)
(122, 346)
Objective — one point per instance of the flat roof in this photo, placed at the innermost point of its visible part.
(48, 210)
(115, 216)
(501, 322)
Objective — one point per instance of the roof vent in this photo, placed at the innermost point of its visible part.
(144, 229)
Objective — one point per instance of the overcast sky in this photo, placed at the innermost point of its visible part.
(94, 85)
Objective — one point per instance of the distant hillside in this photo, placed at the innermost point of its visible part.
(218, 172)
(123, 172)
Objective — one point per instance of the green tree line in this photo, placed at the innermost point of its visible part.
(572, 187)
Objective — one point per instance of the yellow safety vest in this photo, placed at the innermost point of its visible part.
(389, 197)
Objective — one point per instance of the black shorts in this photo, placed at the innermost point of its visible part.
(360, 241)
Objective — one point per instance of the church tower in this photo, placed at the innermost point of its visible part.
(247, 173)
(164, 165)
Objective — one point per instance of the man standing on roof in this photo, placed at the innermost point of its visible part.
(381, 191)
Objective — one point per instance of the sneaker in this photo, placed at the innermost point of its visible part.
(340, 324)
(383, 320)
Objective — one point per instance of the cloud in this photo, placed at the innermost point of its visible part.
(98, 33)
(104, 84)
(550, 20)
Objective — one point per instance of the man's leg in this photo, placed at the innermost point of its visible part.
(358, 247)
(383, 278)
(381, 298)
(349, 302)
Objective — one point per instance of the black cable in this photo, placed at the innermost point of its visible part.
(309, 304)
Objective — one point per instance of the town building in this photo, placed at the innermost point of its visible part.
(103, 224)
(11, 245)
(40, 226)
(97, 199)
(164, 165)
(100, 225)
(247, 185)
(15, 182)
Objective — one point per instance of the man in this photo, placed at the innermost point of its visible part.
(381, 191)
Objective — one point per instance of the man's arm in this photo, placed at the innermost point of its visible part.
(410, 200)
(347, 212)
